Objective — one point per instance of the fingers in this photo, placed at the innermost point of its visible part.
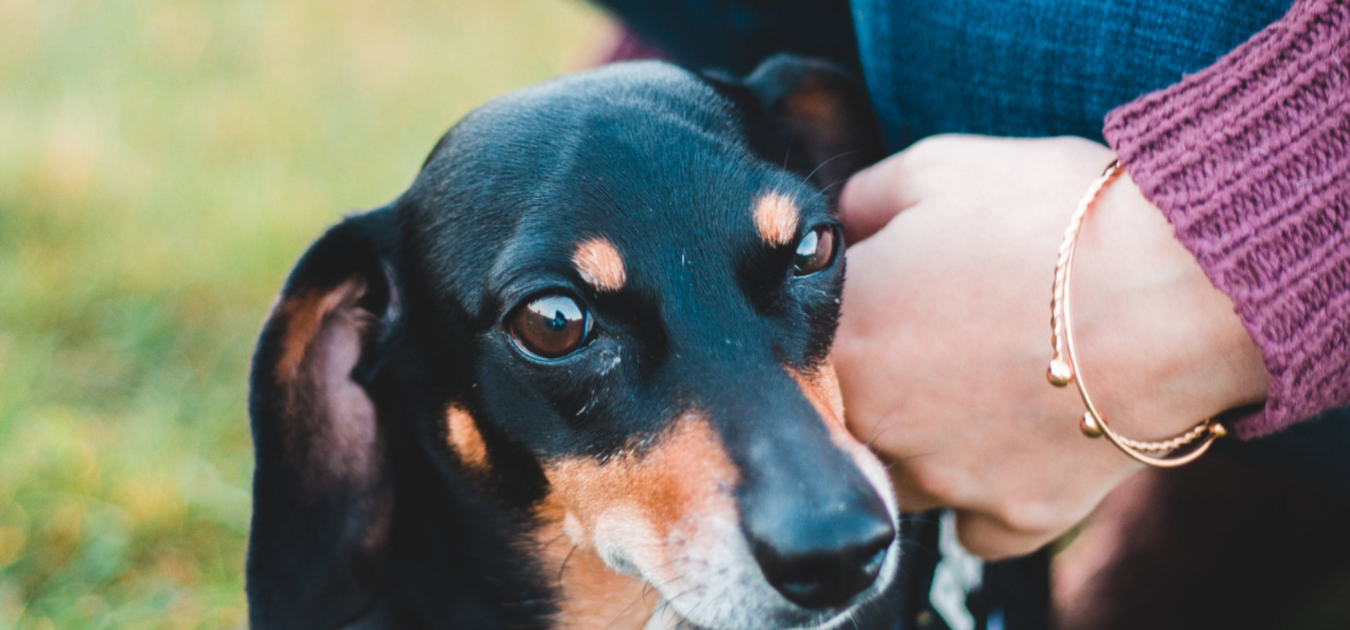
(921, 488)
(912, 503)
(873, 196)
(992, 531)
(991, 539)
(981, 534)
(959, 231)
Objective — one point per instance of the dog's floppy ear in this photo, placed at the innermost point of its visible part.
(322, 486)
(810, 115)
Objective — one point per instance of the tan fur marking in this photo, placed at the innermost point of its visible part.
(659, 496)
(304, 315)
(666, 484)
(593, 596)
(822, 390)
(465, 439)
(776, 219)
(600, 265)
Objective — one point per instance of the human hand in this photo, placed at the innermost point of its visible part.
(945, 335)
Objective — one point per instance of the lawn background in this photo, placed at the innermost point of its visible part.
(162, 164)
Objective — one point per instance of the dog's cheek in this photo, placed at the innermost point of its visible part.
(608, 527)
(637, 510)
(591, 596)
(626, 540)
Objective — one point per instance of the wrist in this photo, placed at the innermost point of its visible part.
(1163, 347)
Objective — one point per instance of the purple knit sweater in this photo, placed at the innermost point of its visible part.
(1250, 161)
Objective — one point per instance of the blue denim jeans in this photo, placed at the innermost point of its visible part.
(1005, 68)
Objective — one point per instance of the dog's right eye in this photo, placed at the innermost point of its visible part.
(815, 251)
(550, 326)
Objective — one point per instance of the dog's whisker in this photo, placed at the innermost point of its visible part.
(563, 568)
(838, 182)
(554, 540)
(826, 163)
(905, 458)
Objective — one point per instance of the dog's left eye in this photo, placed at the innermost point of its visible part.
(816, 251)
(550, 326)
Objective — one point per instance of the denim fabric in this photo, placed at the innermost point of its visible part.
(1036, 67)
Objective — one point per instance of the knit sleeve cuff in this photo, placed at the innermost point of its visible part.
(1249, 160)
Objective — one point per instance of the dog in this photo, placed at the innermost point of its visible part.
(577, 375)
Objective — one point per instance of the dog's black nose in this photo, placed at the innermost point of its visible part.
(823, 562)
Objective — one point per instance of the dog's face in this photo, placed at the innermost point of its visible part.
(613, 315)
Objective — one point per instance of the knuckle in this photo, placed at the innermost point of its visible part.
(1027, 517)
(987, 538)
(934, 483)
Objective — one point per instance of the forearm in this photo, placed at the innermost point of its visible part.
(1249, 160)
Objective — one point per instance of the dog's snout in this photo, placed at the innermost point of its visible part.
(825, 560)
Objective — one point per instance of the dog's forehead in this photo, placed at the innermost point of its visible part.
(629, 172)
(702, 234)
(622, 103)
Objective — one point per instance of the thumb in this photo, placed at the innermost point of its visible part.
(871, 198)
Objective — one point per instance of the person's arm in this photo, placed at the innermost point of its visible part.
(1249, 160)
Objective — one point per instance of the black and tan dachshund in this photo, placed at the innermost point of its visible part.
(578, 376)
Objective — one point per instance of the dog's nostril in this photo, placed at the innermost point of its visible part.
(872, 567)
(832, 571)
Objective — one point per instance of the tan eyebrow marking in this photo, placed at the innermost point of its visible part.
(599, 263)
(776, 218)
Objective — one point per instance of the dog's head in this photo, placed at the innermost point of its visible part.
(608, 301)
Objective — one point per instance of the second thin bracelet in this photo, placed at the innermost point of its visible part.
(1064, 368)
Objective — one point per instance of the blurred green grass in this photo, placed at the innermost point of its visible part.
(162, 163)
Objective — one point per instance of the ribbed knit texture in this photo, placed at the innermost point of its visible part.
(1250, 161)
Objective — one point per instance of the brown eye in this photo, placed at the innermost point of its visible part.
(815, 251)
(550, 327)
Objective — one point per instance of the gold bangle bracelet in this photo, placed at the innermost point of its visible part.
(1064, 369)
